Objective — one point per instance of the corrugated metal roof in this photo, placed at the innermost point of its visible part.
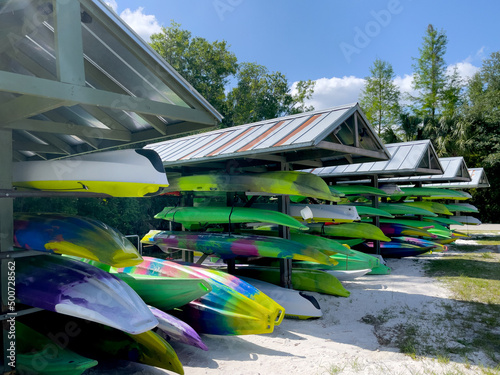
(454, 168)
(407, 158)
(84, 81)
(325, 137)
(478, 180)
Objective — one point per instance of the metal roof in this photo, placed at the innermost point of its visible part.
(454, 169)
(407, 158)
(74, 78)
(327, 137)
(478, 180)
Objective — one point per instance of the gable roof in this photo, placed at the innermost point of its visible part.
(407, 159)
(74, 78)
(325, 137)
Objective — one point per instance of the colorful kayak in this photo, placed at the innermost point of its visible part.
(233, 307)
(302, 279)
(74, 288)
(122, 173)
(277, 182)
(172, 329)
(37, 354)
(74, 235)
(222, 215)
(433, 228)
(100, 342)
(356, 190)
(165, 293)
(396, 230)
(325, 245)
(297, 304)
(230, 246)
(356, 230)
(395, 249)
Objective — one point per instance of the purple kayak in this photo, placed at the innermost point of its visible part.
(172, 328)
(78, 289)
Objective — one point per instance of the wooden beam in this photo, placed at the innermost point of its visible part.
(27, 106)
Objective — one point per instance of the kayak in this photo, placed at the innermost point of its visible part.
(230, 246)
(233, 307)
(319, 212)
(302, 279)
(297, 304)
(121, 173)
(76, 236)
(462, 207)
(357, 190)
(276, 182)
(435, 193)
(223, 215)
(400, 209)
(78, 289)
(355, 230)
(37, 354)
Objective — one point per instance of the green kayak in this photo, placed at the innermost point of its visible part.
(399, 209)
(353, 230)
(302, 279)
(436, 193)
(358, 190)
(165, 293)
(441, 220)
(223, 215)
(37, 354)
(371, 211)
(461, 207)
(435, 207)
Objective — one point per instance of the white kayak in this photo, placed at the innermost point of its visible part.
(319, 212)
(346, 275)
(121, 173)
(297, 305)
(470, 220)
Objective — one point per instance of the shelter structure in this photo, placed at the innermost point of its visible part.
(321, 138)
(74, 78)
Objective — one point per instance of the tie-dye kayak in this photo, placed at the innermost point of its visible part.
(275, 182)
(37, 354)
(397, 230)
(74, 235)
(401, 247)
(233, 307)
(189, 216)
(74, 288)
(229, 246)
(100, 342)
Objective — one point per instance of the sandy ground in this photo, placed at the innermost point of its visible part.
(356, 335)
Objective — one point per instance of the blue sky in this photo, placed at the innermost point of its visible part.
(333, 42)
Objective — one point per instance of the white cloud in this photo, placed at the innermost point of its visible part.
(112, 4)
(142, 24)
(465, 69)
(331, 92)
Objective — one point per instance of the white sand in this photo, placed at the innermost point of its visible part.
(341, 342)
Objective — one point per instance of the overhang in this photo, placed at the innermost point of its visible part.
(478, 180)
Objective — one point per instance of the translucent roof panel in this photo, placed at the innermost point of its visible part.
(407, 158)
(478, 180)
(73, 74)
(326, 137)
(454, 169)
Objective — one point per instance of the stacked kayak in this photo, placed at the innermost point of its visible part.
(233, 307)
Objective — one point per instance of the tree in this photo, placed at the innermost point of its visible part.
(380, 96)
(430, 74)
(260, 94)
(207, 66)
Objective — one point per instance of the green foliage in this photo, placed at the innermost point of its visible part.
(261, 95)
(380, 96)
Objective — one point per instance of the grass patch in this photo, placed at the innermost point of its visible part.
(474, 279)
